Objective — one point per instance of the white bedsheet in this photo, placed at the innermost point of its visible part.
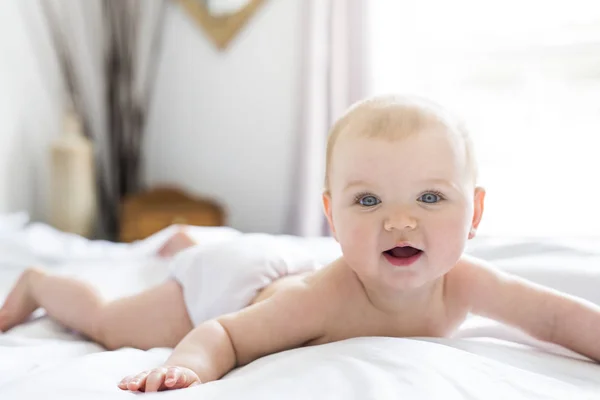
(484, 361)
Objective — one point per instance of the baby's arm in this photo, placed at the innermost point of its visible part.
(288, 319)
(542, 312)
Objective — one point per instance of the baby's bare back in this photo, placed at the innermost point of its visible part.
(348, 311)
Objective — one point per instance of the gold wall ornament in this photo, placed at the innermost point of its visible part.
(222, 20)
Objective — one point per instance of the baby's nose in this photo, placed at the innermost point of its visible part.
(400, 220)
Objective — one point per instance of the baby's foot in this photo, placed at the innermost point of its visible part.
(20, 303)
(179, 241)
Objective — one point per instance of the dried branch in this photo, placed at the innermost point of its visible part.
(126, 96)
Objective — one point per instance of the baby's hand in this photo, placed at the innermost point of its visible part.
(162, 378)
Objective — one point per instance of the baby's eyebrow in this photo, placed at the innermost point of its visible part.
(443, 182)
(435, 181)
(351, 184)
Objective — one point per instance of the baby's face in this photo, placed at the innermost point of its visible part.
(402, 210)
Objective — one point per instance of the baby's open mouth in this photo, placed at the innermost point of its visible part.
(403, 252)
(402, 256)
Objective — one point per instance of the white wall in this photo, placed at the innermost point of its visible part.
(223, 123)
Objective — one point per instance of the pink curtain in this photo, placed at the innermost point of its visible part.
(333, 76)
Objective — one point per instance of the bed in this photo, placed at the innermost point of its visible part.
(484, 360)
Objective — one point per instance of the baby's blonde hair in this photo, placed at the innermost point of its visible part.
(393, 117)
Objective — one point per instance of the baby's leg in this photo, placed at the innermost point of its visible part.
(156, 317)
(176, 243)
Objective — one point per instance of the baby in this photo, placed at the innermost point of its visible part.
(401, 199)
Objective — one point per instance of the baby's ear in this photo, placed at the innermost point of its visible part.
(478, 200)
(328, 210)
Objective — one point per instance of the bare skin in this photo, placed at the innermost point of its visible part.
(332, 305)
(303, 310)
(179, 241)
(316, 308)
(127, 321)
(115, 324)
(372, 210)
(20, 303)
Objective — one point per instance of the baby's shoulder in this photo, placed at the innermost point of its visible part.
(467, 281)
(334, 284)
(458, 279)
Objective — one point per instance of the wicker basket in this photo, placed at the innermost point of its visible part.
(146, 213)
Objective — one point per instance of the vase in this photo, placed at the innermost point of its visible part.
(73, 185)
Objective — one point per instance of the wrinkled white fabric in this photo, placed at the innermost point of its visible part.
(484, 360)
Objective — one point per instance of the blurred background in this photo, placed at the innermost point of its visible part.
(121, 117)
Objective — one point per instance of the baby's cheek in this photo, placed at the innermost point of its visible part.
(451, 238)
(355, 238)
(347, 225)
(457, 223)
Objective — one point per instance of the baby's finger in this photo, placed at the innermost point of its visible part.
(155, 380)
(173, 378)
(191, 378)
(138, 381)
(123, 384)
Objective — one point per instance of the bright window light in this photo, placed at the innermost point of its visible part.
(526, 77)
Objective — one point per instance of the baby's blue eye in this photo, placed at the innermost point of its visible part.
(369, 201)
(430, 198)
